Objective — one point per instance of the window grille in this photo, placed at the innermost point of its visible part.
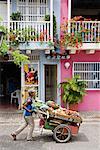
(32, 10)
(89, 72)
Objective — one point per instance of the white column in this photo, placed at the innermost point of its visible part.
(69, 14)
(69, 9)
(8, 14)
(51, 19)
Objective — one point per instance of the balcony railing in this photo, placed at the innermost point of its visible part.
(92, 27)
(31, 31)
(35, 31)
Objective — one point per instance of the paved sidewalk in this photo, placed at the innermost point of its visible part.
(90, 116)
(13, 117)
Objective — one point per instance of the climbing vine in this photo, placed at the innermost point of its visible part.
(6, 48)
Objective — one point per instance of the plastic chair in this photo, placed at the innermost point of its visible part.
(16, 95)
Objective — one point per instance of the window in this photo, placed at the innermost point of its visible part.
(32, 10)
(89, 72)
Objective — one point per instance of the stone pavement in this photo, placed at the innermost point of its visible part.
(15, 116)
(11, 117)
(90, 116)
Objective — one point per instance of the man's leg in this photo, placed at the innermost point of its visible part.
(30, 121)
(20, 129)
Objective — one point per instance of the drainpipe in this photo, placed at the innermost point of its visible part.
(51, 19)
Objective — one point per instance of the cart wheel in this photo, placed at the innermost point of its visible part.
(62, 133)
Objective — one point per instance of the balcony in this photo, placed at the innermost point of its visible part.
(32, 27)
(90, 39)
(30, 32)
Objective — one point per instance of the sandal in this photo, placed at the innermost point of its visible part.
(14, 137)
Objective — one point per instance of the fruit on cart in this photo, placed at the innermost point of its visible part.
(67, 114)
(44, 107)
(38, 104)
(52, 104)
(56, 110)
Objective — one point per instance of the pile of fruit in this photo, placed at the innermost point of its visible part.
(57, 111)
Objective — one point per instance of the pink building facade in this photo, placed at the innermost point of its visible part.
(91, 101)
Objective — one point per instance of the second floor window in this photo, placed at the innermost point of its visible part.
(89, 72)
(32, 10)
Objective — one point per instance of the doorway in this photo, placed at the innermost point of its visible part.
(50, 82)
(10, 80)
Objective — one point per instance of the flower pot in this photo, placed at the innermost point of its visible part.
(73, 107)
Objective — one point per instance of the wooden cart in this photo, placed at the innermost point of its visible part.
(63, 128)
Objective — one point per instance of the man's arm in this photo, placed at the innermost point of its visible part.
(24, 106)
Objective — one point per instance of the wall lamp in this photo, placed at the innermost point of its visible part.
(67, 65)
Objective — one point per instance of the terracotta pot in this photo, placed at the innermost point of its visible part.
(73, 107)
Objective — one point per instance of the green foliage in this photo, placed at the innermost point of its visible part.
(3, 29)
(18, 36)
(19, 58)
(74, 38)
(16, 16)
(70, 40)
(73, 90)
(3, 48)
(47, 18)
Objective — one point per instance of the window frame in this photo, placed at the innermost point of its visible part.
(28, 7)
(89, 71)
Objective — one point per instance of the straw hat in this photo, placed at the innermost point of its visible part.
(31, 91)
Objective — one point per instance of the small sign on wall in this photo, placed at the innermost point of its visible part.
(31, 74)
(30, 79)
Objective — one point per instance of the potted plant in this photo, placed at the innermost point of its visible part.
(47, 18)
(74, 38)
(72, 91)
(16, 16)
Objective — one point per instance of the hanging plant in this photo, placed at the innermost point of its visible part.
(6, 49)
(74, 37)
(21, 36)
(47, 18)
(19, 58)
(16, 16)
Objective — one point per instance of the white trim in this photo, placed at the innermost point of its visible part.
(51, 19)
(32, 10)
(87, 62)
(58, 80)
(88, 73)
(8, 14)
(52, 64)
(69, 9)
(69, 15)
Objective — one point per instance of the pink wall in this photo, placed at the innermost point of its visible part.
(91, 101)
(64, 10)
